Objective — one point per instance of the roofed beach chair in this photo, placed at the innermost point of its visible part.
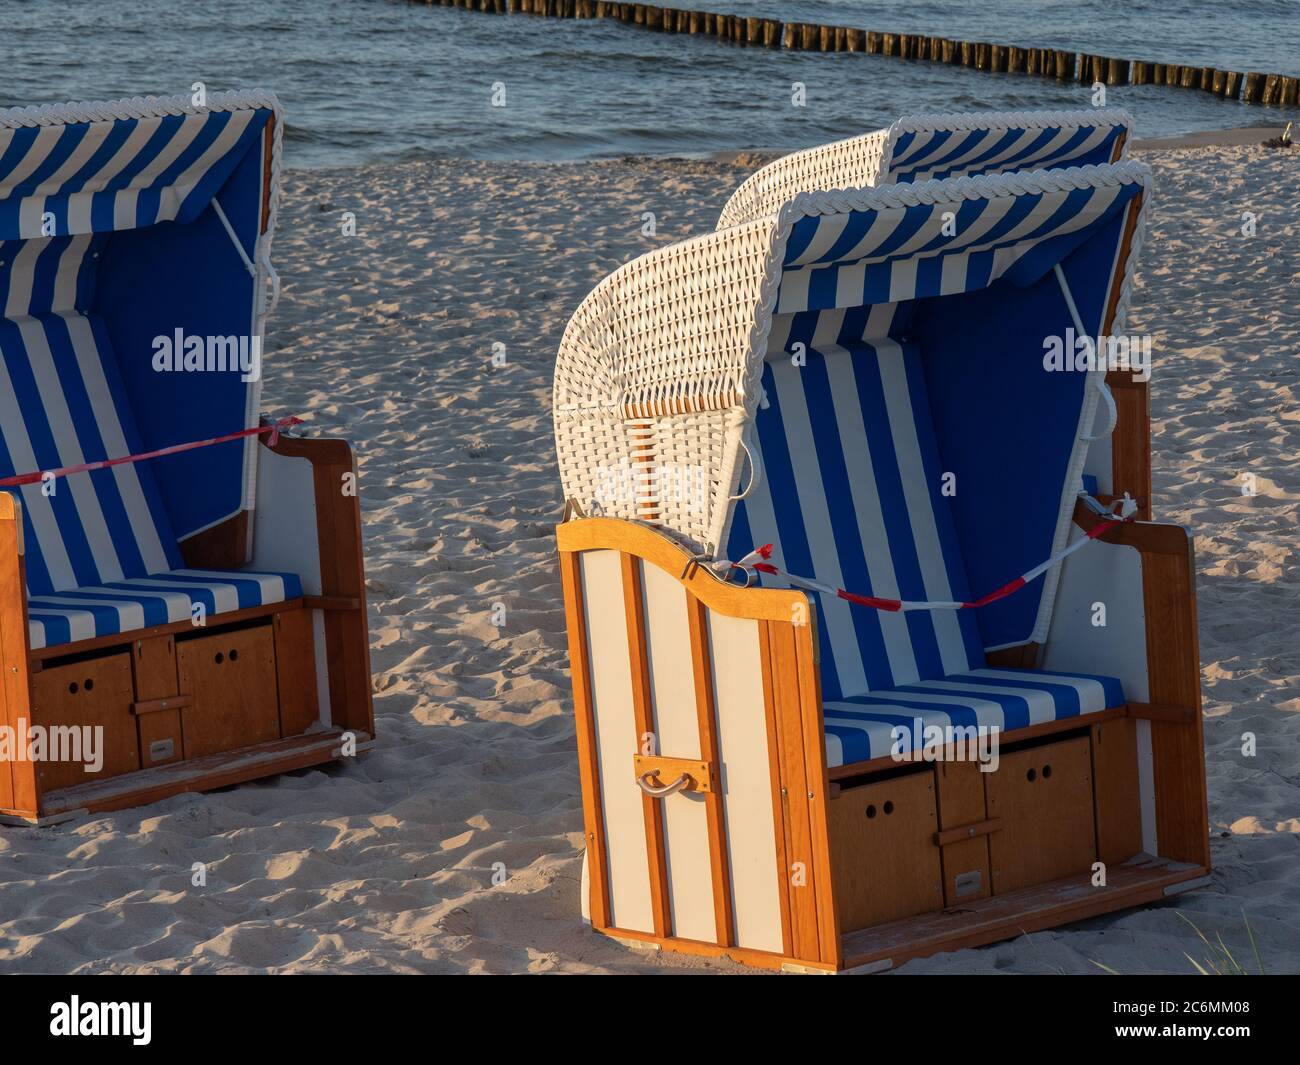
(927, 147)
(860, 670)
(173, 572)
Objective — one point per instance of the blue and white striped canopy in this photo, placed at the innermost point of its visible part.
(921, 154)
(888, 254)
(113, 174)
(123, 226)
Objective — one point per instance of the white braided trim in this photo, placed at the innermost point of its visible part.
(679, 336)
(953, 120)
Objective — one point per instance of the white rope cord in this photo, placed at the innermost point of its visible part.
(1099, 382)
(757, 561)
(234, 239)
(755, 462)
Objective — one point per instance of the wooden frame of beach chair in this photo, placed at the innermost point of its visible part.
(760, 805)
(923, 147)
(203, 609)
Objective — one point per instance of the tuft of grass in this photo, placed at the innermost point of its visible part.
(1220, 960)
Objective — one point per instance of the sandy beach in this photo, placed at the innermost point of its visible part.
(455, 845)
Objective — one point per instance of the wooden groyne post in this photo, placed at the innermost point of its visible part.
(1252, 87)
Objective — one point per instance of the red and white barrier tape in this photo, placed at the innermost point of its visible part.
(758, 561)
(273, 428)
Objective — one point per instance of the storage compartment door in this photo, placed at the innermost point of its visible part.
(84, 710)
(1043, 797)
(231, 677)
(884, 858)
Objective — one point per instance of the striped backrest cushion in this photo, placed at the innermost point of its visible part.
(62, 404)
(851, 496)
(944, 153)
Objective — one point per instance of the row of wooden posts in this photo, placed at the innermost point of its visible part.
(1083, 67)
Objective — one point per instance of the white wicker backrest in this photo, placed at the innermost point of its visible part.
(657, 374)
(848, 164)
(1051, 139)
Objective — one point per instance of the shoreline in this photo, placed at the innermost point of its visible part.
(1234, 137)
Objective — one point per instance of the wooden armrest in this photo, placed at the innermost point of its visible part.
(1150, 538)
(651, 545)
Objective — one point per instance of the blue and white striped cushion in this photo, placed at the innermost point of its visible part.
(101, 557)
(943, 153)
(863, 727)
(62, 404)
(163, 598)
(851, 496)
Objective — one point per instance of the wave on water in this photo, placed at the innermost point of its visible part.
(367, 80)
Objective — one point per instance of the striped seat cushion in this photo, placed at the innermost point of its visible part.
(879, 723)
(851, 495)
(124, 606)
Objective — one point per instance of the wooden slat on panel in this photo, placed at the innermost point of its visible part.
(157, 687)
(801, 864)
(702, 660)
(295, 671)
(818, 783)
(1178, 750)
(779, 817)
(633, 604)
(585, 726)
(960, 794)
(203, 774)
(751, 792)
(677, 728)
(1115, 790)
(17, 778)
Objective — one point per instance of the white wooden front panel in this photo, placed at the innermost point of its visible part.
(616, 741)
(676, 718)
(1110, 574)
(746, 781)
